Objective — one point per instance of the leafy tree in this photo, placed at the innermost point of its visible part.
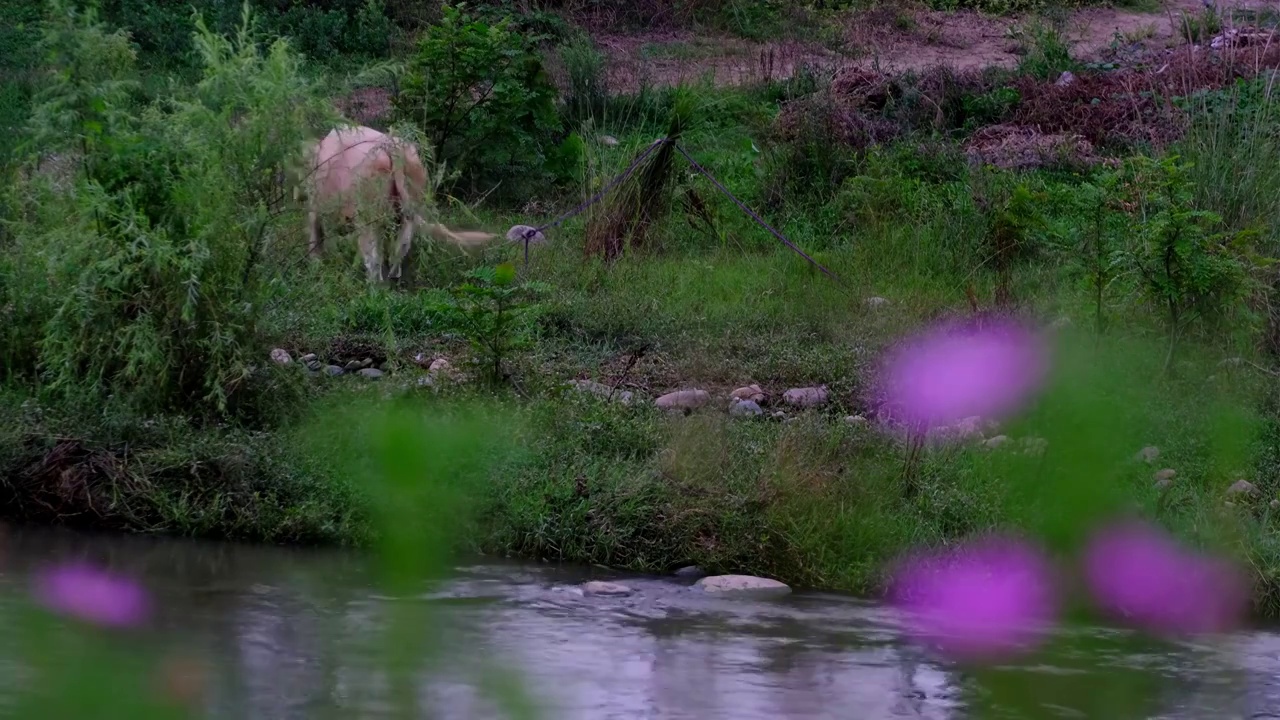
(484, 101)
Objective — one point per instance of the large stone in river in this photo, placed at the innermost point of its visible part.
(605, 589)
(744, 585)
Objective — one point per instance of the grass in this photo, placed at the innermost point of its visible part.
(708, 300)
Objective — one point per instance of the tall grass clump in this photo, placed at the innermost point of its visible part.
(588, 94)
(143, 274)
(640, 202)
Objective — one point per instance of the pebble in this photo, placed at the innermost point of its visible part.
(605, 589)
(280, 356)
(590, 386)
(352, 365)
(309, 357)
(1242, 487)
(745, 408)
(742, 585)
(806, 397)
(856, 420)
(995, 442)
(1148, 454)
(334, 370)
(439, 367)
(689, 571)
(753, 393)
(371, 373)
(876, 302)
(683, 400)
(608, 141)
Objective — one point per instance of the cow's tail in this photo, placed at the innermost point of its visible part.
(463, 239)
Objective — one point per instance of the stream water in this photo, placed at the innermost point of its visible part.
(293, 633)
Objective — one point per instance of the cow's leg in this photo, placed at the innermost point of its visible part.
(316, 239)
(403, 243)
(370, 250)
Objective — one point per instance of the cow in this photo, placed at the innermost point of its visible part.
(364, 177)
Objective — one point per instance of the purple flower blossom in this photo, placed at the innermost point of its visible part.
(91, 594)
(989, 598)
(954, 372)
(1138, 573)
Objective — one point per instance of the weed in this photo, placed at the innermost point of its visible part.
(494, 313)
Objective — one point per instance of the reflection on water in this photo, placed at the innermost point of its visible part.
(295, 634)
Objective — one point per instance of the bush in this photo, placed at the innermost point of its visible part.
(485, 103)
(1184, 269)
(143, 276)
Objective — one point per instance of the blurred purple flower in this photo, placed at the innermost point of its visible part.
(92, 595)
(987, 599)
(1138, 573)
(953, 372)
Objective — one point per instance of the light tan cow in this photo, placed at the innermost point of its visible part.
(365, 177)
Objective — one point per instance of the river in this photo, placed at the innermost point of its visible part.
(293, 633)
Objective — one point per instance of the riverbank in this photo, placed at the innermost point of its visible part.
(134, 402)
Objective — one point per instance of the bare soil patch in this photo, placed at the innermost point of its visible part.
(893, 40)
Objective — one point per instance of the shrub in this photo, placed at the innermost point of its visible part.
(1048, 53)
(494, 313)
(145, 276)
(485, 103)
(1184, 268)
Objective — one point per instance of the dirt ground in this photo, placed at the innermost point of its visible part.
(894, 40)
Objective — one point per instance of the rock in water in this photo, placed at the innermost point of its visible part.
(683, 400)
(744, 585)
(605, 589)
(690, 571)
(280, 356)
(806, 397)
(745, 408)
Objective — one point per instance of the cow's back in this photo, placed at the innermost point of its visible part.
(347, 157)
